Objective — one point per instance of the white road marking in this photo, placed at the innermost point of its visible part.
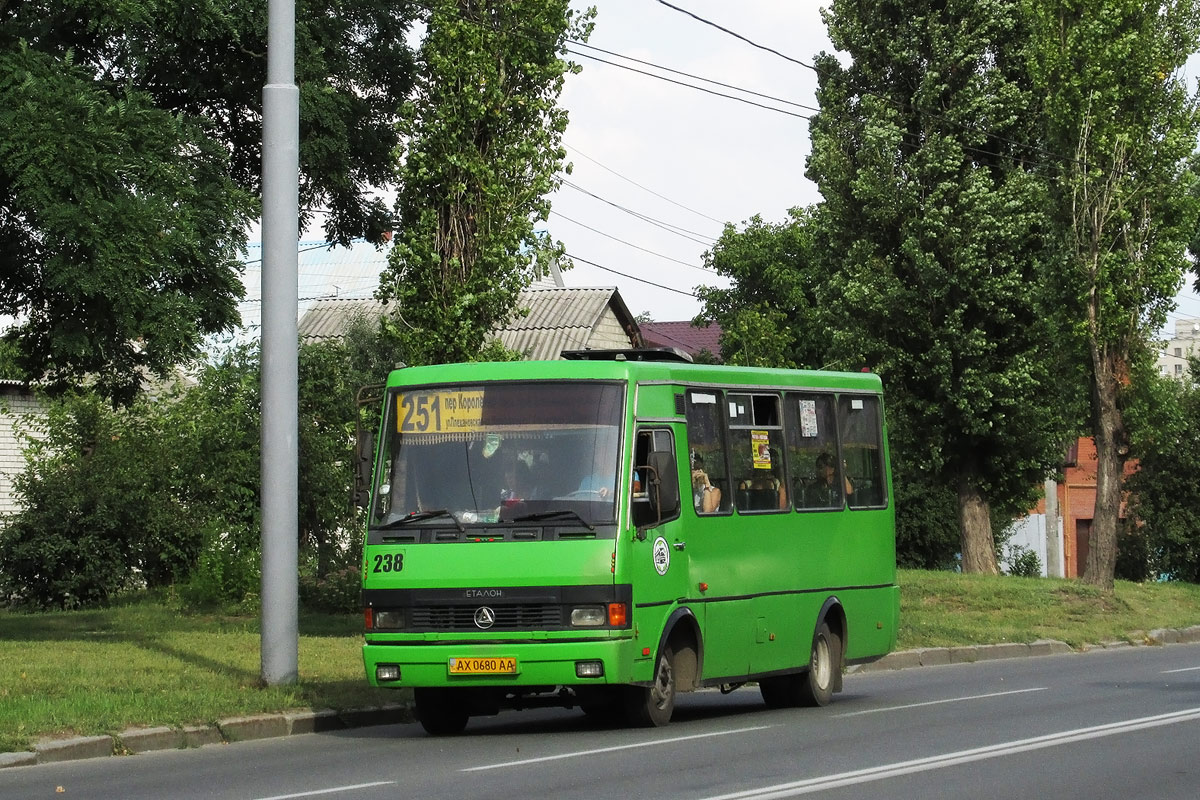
(328, 791)
(939, 702)
(784, 790)
(1185, 669)
(579, 753)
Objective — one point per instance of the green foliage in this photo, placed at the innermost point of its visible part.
(130, 164)
(338, 592)
(934, 229)
(169, 492)
(1162, 536)
(482, 150)
(927, 534)
(1122, 127)
(1023, 562)
(770, 314)
(99, 514)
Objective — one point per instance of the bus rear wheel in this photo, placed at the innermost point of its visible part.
(652, 706)
(441, 712)
(814, 686)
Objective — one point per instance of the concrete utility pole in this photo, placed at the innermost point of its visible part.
(1053, 552)
(280, 449)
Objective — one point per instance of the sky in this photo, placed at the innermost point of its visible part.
(644, 149)
(659, 168)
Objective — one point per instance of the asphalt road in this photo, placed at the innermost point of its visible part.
(1119, 723)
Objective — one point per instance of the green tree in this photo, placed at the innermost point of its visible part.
(770, 314)
(1120, 120)
(130, 163)
(99, 514)
(1163, 520)
(483, 149)
(920, 150)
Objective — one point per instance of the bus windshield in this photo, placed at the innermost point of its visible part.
(499, 453)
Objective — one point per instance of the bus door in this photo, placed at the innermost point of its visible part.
(659, 564)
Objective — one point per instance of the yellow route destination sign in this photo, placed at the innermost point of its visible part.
(439, 412)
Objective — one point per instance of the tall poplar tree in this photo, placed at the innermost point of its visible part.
(1121, 124)
(482, 152)
(933, 222)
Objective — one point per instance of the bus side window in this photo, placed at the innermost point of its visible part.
(812, 447)
(861, 431)
(710, 485)
(756, 452)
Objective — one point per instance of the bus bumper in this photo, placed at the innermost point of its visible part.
(536, 663)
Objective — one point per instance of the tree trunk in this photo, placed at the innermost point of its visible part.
(975, 527)
(1108, 429)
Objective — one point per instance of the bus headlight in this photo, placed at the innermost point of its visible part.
(387, 672)
(588, 616)
(388, 620)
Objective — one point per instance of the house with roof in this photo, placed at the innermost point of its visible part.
(17, 404)
(686, 336)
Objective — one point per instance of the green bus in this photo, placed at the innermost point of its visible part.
(614, 528)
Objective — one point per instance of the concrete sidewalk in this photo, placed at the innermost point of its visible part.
(263, 726)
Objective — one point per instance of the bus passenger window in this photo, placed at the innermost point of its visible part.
(756, 452)
(814, 470)
(706, 452)
(861, 429)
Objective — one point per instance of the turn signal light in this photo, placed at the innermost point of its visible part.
(618, 616)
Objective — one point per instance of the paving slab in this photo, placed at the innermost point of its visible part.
(21, 759)
(144, 740)
(258, 726)
(51, 750)
(991, 652)
(200, 735)
(314, 721)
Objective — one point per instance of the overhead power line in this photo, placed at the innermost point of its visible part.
(577, 151)
(629, 244)
(631, 277)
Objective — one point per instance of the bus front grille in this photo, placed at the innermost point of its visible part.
(508, 618)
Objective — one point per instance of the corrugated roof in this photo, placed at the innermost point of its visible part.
(559, 319)
(327, 319)
(684, 335)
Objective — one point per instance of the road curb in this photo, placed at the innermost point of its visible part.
(970, 654)
(261, 726)
(226, 731)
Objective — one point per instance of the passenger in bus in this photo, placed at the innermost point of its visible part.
(705, 496)
(767, 491)
(824, 492)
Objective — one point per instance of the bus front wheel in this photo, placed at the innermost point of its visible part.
(652, 706)
(441, 712)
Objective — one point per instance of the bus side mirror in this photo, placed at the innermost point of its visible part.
(364, 452)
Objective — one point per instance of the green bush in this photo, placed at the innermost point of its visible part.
(336, 593)
(97, 511)
(1023, 562)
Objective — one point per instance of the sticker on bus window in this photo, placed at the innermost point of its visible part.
(856, 404)
(760, 449)
(705, 399)
(808, 418)
(439, 412)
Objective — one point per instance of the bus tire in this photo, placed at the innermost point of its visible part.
(440, 711)
(824, 667)
(651, 706)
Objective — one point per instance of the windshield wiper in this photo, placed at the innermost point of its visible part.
(563, 512)
(417, 516)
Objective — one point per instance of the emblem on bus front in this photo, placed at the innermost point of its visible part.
(661, 555)
(484, 617)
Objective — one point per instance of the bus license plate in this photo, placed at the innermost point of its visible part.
(492, 665)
